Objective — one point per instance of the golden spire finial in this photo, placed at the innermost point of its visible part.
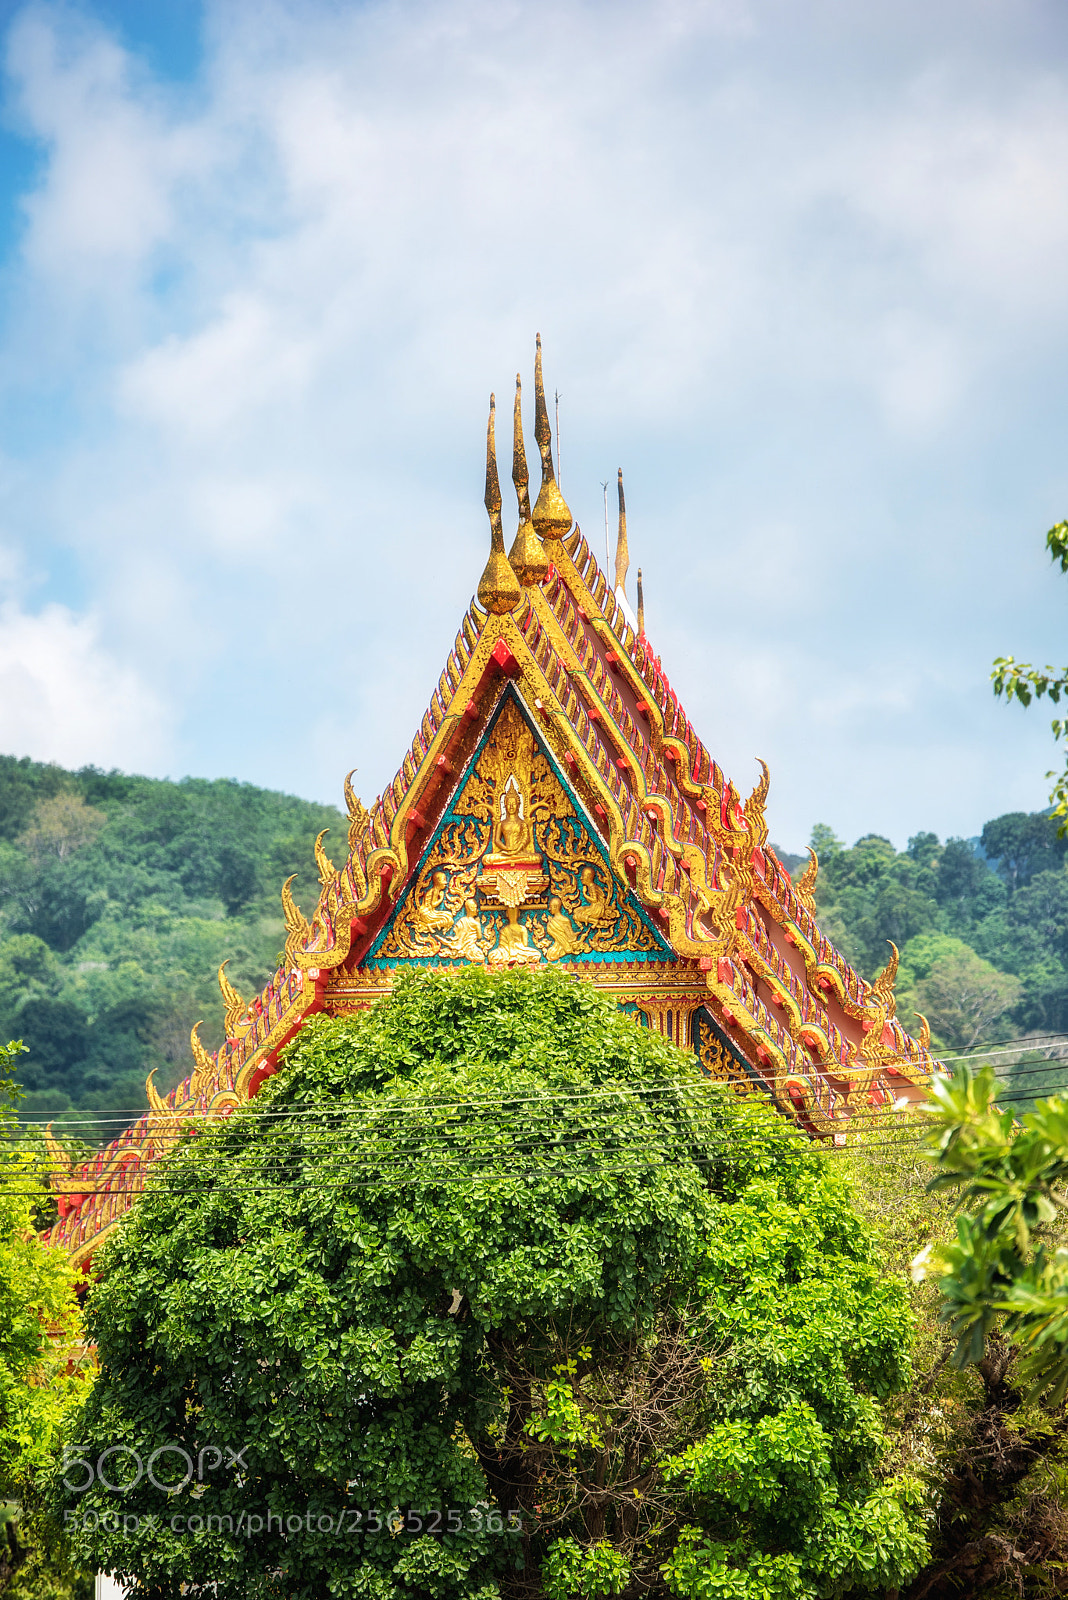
(641, 605)
(527, 556)
(520, 475)
(622, 553)
(498, 588)
(552, 518)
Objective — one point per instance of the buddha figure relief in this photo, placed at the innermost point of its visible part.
(565, 941)
(468, 935)
(596, 907)
(431, 915)
(513, 836)
(514, 943)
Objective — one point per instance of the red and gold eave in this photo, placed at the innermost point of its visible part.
(818, 1037)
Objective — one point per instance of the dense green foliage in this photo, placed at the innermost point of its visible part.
(486, 1255)
(1018, 680)
(42, 1376)
(119, 899)
(1008, 1265)
(993, 1460)
(982, 927)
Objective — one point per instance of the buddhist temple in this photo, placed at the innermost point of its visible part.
(555, 806)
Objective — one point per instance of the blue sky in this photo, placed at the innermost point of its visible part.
(798, 270)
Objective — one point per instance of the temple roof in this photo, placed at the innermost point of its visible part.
(550, 632)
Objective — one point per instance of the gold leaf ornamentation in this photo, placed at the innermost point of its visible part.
(805, 888)
(498, 587)
(526, 558)
(870, 1058)
(236, 1007)
(551, 515)
(513, 876)
(162, 1118)
(358, 813)
(327, 869)
(153, 1096)
(717, 1059)
(298, 928)
(883, 987)
(202, 1079)
(61, 1169)
(819, 1105)
(622, 549)
(753, 810)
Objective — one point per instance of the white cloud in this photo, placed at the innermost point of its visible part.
(116, 153)
(204, 389)
(64, 698)
(799, 273)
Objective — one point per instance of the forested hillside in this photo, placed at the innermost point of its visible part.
(119, 898)
(982, 927)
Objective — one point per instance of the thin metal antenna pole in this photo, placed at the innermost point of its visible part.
(607, 551)
(559, 466)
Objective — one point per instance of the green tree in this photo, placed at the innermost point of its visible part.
(119, 898)
(42, 1376)
(491, 1254)
(1019, 681)
(61, 824)
(1022, 844)
(28, 971)
(995, 1465)
(1004, 1301)
(825, 842)
(1007, 1266)
(925, 849)
(1032, 1076)
(962, 882)
(869, 894)
(961, 995)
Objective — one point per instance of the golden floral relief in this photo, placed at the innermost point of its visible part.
(513, 875)
(715, 1056)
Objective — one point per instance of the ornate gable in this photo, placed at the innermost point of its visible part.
(556, 805)
(515, 873)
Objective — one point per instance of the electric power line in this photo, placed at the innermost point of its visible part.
(678, 1143)
(833, 1067)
